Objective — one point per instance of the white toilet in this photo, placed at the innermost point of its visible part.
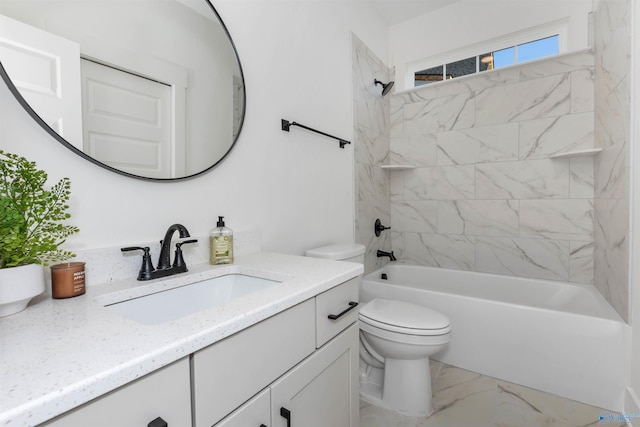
(397, 338)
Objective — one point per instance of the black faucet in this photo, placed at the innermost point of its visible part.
(391, 256)
(165, 268)
(164, 260)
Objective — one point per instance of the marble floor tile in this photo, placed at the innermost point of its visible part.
(463, 398)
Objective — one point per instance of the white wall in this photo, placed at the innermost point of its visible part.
(296, 188)
(477, 21)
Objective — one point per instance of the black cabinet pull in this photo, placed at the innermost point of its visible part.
(286, 414)
(352, 305)
(262, 425)
(158, 422)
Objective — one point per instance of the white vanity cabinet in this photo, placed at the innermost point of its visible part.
(322, 390)
(164, 394)
(229, 372)
(298, 368)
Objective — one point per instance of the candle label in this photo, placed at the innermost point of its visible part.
(78, 281)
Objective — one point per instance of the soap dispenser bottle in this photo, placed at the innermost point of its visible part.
(221, 244)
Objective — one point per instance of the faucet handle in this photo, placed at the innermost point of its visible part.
(378, 227)
(147, 266)
(134, 248)
(178, 260)
(185, 242)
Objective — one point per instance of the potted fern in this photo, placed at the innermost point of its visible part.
(31, 230)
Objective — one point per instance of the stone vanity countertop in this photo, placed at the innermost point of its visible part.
(59, 354)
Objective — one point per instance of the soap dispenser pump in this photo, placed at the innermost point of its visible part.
(221, 244)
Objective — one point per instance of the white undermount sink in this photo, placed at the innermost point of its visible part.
(172, 304)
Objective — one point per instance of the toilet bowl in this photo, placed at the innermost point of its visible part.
(402, 336)
(396, 340)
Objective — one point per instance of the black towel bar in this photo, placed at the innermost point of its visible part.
(286, 124)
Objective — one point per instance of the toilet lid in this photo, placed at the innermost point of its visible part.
(403, 314)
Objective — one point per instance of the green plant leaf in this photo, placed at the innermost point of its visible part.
(31, 216)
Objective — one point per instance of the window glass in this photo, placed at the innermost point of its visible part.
(429, 75)
(486, 62)
(504, 57)
(501, 58)
(538, 49)
(461, 68)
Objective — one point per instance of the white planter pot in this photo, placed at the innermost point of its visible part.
(18, 285)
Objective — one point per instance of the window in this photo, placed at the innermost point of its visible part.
(538, 49)
(430, 75)
(516, 54)
(462, 67)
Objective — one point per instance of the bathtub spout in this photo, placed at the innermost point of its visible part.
(391, 256)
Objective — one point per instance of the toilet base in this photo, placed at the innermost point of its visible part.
(371, 380)
(405, 388)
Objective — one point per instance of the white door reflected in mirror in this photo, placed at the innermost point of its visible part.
(180, 43)
(46, 70)
(127, 121)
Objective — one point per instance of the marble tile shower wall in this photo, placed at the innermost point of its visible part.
(371, 148)
(612, 45)
(486, 194)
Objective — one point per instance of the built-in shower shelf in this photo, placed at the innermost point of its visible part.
(577, 153)
(397, 167)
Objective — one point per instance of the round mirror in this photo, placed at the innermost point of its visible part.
(151, 89)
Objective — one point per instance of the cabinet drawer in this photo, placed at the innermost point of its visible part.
(165, 393)
(335, 302)
(226, 374)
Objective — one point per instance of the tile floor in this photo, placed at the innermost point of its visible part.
(467, 399)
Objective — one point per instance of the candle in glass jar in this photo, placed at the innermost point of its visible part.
(67, 280)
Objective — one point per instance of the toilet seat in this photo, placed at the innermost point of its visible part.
(404, 318)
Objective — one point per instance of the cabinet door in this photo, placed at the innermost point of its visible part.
(254, 413)
(227, 373)
(165, 393)
(322, 390)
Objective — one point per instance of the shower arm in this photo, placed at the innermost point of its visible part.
(286, 124)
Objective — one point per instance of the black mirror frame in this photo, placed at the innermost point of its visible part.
(16, 93)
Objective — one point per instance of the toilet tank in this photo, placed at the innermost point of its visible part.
(352, 252)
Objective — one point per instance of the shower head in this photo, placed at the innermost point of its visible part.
(386, 87)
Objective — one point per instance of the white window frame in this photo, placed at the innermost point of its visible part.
(559, 28)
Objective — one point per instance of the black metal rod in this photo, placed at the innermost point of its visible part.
(286, 124)
(352, 305)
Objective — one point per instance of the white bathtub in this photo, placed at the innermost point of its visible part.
(556, 337)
